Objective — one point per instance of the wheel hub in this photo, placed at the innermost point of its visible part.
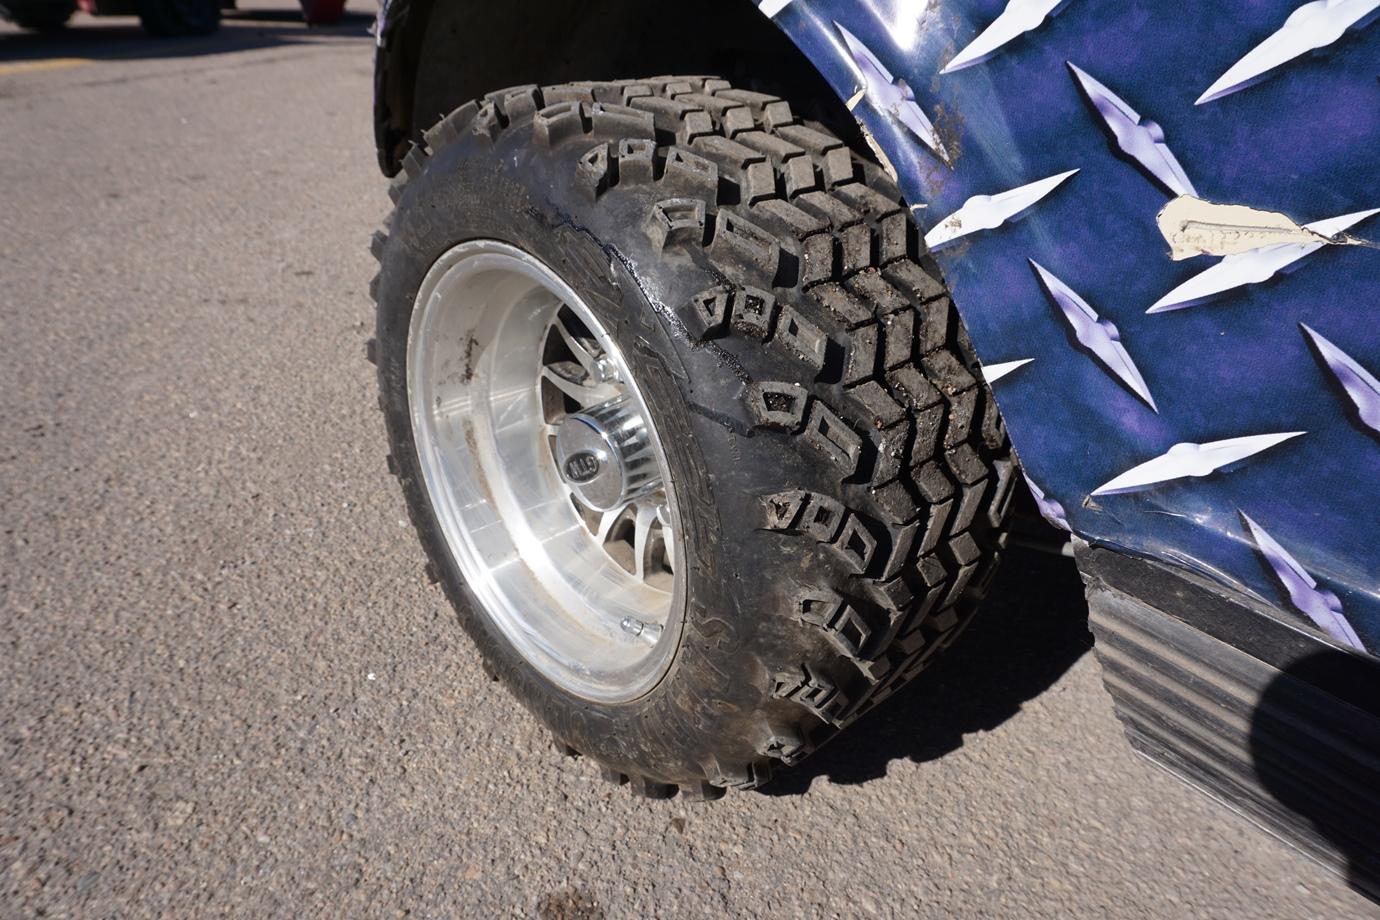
(604, 455)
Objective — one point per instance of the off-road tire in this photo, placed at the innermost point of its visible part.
(842, 470)
(170, 18)
(37, 15)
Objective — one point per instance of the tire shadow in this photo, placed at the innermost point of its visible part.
(1031, 629)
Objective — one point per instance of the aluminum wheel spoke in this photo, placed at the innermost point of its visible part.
(607, 520)
(577, 347)
(642, 531)
(561, 376)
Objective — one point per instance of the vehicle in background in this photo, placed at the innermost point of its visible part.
(158, 17)
(709, 396)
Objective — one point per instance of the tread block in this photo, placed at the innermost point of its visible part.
(688, 173)
(962, 549)
(960, 585)
(860, 363)
(892, 449)
(753, 312)
(898, 332)
(878, 408)
(676, 220)
(706, 315)
(776, 404)
(743, 166)
(902, 541)
(893, 593)
(856, 544)
(813, 691)
(783, 744)
(821, 517)
(518, 102)
(929, 424)
(931, 483)
(636, 161)
(912, 386)
(567, 92)
(934, 527)
(947, 372)
(783, 509)
(816, 244)
(993, 428)
(594, 171)
(802, 338)
(913, 280)
(449, 128)
(835, 162)
(842, 303)
(680, 119)
(873, 288)
(968, 505)
(770, 110)
(826, 431)
(701, 792)
(559, 122)
(607, 117)
(965, 463)
(843, 625)
(487, 122)
(737, 236)
(414, 162)
(800, 512)
(962, 409)
(1005, 491)
(896, 501)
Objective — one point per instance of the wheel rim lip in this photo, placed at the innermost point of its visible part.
(462, 477)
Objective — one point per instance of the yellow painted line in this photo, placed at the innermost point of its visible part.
(38, 66)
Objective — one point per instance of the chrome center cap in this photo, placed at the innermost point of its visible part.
(604, 455)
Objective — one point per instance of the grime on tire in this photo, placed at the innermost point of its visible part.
(841, 470)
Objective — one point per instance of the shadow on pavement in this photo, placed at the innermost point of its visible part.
(120, 37)
(1029, 632)
(1314, 738)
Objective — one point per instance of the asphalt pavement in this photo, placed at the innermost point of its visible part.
(225, 686)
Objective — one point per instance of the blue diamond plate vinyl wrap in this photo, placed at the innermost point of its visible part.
(1234, 430)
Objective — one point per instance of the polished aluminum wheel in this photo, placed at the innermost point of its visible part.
(545, 471)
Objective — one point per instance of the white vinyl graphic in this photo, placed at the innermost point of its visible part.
(888, 94)
(1099, 336)
(994, 372)
(1191, 460)
(1310, 27)
(987, 212)
(770, 8)
(1019, 17)
(1317, 603)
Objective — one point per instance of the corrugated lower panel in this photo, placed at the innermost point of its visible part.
(1297, 761)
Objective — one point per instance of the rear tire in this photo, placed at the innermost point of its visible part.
(36, 15)
(842, 470)
(172, 18)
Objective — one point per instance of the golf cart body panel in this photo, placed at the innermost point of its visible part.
(1279, 350)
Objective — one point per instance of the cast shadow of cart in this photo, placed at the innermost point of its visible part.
(1030, 631)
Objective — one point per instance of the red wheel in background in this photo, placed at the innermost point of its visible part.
(322, 12)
